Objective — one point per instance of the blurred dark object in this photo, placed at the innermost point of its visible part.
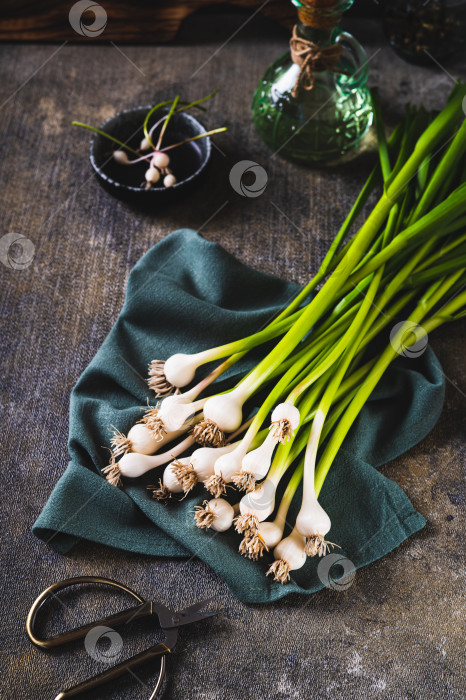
(421, 29)
(127, 21)
(124, 21)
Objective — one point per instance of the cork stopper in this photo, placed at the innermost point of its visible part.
(321, 14)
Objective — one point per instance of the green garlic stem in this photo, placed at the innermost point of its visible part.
(359, 326)
(196, 103)
(433, 295)
(447, 165)
(280, 467)
(272, 330)
(194, 138)
(288, 495)
(331, 357)
(345, 306)
(440, 270)
(145, 125)
(326, 295)
(446, 313)
(284, 315)
(440, 221)
(286, 454)
(166, 121)
(331, 257)
(107, 136)
(442, 252)
(382, 144)
(370, 329)
(274, 396)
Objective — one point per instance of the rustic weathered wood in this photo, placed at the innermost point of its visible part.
(127, 22)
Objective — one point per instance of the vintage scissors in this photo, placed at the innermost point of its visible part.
(168, 620)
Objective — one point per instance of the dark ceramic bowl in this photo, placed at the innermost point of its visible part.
(188, 162)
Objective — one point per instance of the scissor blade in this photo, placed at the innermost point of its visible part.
(194, 617)
(186, 618)
(197, 606)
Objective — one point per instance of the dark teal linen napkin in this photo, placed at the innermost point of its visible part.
(187, 294)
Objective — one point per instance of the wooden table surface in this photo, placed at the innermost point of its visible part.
(396, 632)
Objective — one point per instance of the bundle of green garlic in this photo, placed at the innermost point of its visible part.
(407, 260)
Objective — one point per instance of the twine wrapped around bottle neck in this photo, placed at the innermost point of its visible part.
(312, 57)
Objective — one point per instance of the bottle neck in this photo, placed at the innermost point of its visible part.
(323, 36)
(322, 15)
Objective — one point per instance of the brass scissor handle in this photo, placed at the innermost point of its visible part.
(142, 610)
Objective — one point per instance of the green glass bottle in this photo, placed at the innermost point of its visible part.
(313, 106)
